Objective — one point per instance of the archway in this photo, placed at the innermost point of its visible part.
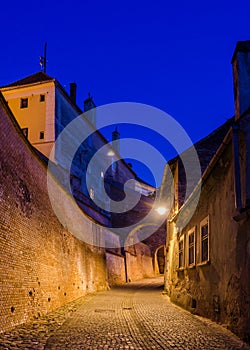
(138, 256)
(160, 254)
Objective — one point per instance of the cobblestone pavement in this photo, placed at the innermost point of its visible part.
(136, 316)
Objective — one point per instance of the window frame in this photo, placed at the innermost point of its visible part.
(41, 134)
(193, 245)
(24, 102)
(92, 193)
(203, 223)
(42, 98)
(114, 166)
(181, 240)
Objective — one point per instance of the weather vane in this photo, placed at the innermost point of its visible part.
(43, 59)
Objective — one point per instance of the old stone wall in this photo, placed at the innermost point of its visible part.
(218, 289)
(42, 265)
(116, 269)
(135, 265)
(139, 262)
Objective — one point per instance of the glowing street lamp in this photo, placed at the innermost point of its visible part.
(111, 153)
(161, 210)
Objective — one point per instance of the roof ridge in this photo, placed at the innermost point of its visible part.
(207, 145)
(30, 79)
(228, 122)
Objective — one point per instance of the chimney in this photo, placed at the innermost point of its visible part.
(73, 92)
(89, 105)
(116, 137)
(241, 77)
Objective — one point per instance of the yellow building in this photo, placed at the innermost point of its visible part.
(42, 108)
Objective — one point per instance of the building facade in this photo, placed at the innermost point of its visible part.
(208, 259)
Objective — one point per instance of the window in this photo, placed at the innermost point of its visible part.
(41, 135)
(90, 141)
(25, 132)
(24, 103)
(114, 166)
(191, 247)
(204, 239)
(181, 253)
(42, 98)
(91, 193)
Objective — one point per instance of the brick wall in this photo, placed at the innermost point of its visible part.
(42, 266)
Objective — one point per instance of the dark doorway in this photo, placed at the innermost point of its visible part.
(161, 260)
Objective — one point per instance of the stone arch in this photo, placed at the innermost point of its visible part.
(132, 238)
(138, 257)
(159, 259)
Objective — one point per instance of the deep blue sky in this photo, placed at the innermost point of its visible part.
(174, 55)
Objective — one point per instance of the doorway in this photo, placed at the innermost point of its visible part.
(160, 258)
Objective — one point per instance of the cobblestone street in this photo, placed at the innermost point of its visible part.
(136, 316)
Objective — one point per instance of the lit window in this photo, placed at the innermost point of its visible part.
(24, 103)
(42, 98)
(191, 247)
(181, 252)
(204, 239)
(91, 193)
(25, 132)
(41, 135)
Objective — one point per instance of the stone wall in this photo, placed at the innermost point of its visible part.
(116, 269)
(135, 265)
(42, 266)
(139, 262)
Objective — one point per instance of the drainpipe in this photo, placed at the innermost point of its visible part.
(237, 177)
(247, 138)
(166, 268)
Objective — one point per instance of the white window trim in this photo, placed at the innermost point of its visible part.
(92, 193)
(192, 230)
(203, 223)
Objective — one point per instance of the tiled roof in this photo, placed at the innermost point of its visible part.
(207, 146)
(206, 149)
(31, 79)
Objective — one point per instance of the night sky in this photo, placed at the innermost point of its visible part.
(172, 55)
